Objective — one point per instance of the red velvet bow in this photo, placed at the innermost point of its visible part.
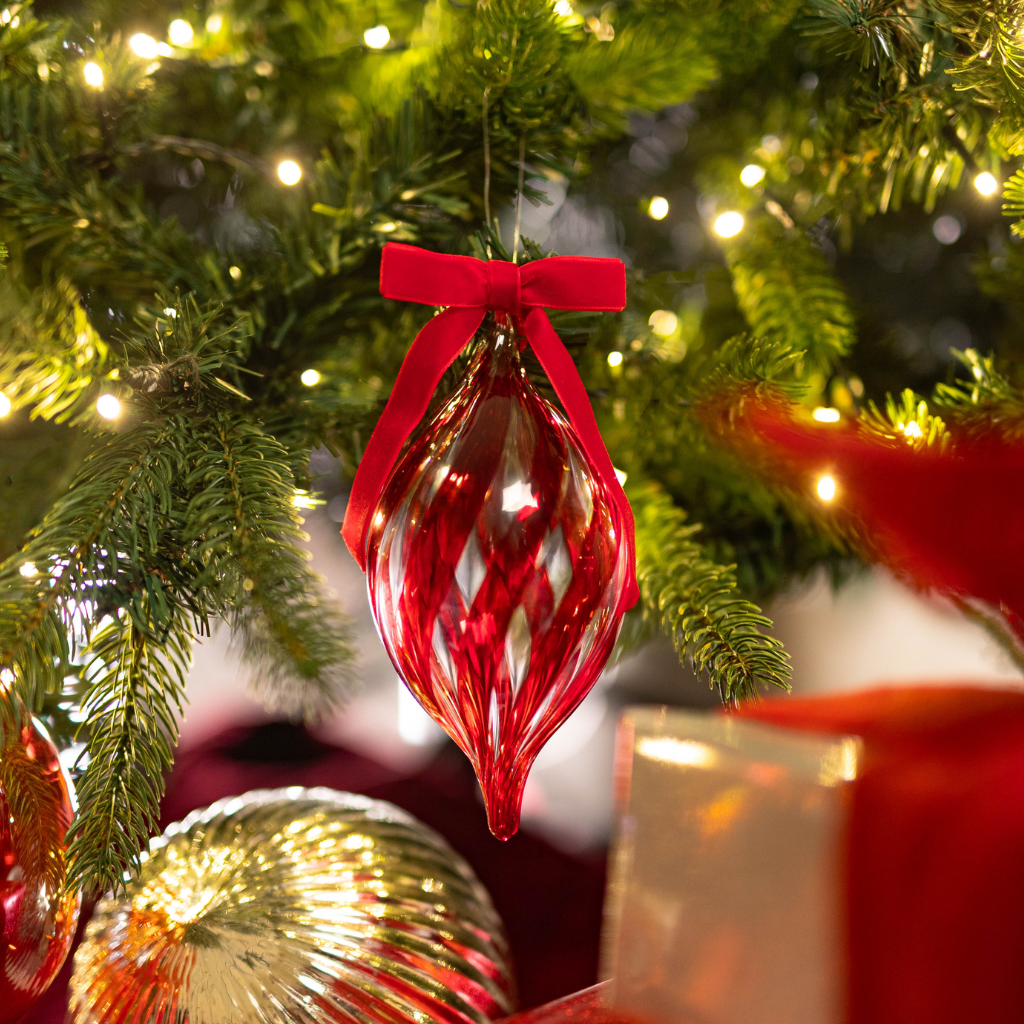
(469, 288)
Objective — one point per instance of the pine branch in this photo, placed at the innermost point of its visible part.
(876, 33)
(993, 66)
(244, 522)
(988, 400)
(903, 421)
(696, 602)
(135, 670)
(789, 294)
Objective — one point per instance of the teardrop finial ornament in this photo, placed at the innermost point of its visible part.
(495, 570)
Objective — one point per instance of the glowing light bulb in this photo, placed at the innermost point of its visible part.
(214, 23)
(614, 358)
(986, 184)
(823, 415)
(912, 429)
(657, 209)
(289, 172)
(751, 175)
(310, 377)
(93, 75)
(663, 322)
(564, 9)
(303, 499)
(180, 32)
(236, 273)
(5, 405)
(728, 224)
(108, 406)
(377, 38)
(144, 46)
(826, 487)
(28, 569)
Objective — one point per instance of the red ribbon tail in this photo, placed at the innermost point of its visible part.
(565, 379)
(433, 351)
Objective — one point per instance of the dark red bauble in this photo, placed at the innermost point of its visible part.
(495, 571)
(37, 918)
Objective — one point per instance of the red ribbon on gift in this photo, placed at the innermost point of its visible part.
(470, 287)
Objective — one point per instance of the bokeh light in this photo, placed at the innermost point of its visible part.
(377, 37)
(728, 224)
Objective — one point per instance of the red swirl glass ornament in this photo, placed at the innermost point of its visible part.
(37, 917)
(495, 570)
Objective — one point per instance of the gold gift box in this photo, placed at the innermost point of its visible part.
(725, 892)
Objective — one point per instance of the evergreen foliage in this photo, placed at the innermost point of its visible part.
(154, 255)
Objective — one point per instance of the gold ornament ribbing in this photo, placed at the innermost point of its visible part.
(296, 905)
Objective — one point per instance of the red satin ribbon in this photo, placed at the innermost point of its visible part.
(469, 288)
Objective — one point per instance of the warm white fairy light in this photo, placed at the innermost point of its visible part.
(180, 32)
(303, 499)
(236, 273)
(214, 23)
(108, 406)
(657, 208)
(986, 184)
(825, 415)
(377, 38)
(614, 358)
(751, 175)
(144, 46)
(564, 9)
(826, 487)
(93, 75)
(28, 570)
(289, 172)
(912, 429)
(663, 322)
(310, 378)
(5, 405)
(728, 224)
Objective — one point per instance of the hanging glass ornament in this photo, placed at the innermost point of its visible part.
(37, 917)
(499, 548)
(296, 905)
(495, 570)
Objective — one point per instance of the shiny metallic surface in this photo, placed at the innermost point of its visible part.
(304, 905)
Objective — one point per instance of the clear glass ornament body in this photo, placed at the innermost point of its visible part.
(495, 570)
(37, 918)
(296, 906)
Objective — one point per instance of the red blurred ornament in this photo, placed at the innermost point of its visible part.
(495, 571)
(499, 549)
(37, 919)
(949, 519)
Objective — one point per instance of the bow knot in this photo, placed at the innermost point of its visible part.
(469, 287)
(503, 286)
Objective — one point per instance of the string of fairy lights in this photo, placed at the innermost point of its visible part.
(181, 35)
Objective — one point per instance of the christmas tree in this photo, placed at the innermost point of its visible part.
(193, 201)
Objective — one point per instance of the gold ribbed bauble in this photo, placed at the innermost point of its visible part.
(296, 905)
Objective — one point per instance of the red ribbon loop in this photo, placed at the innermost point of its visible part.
(470, 287)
